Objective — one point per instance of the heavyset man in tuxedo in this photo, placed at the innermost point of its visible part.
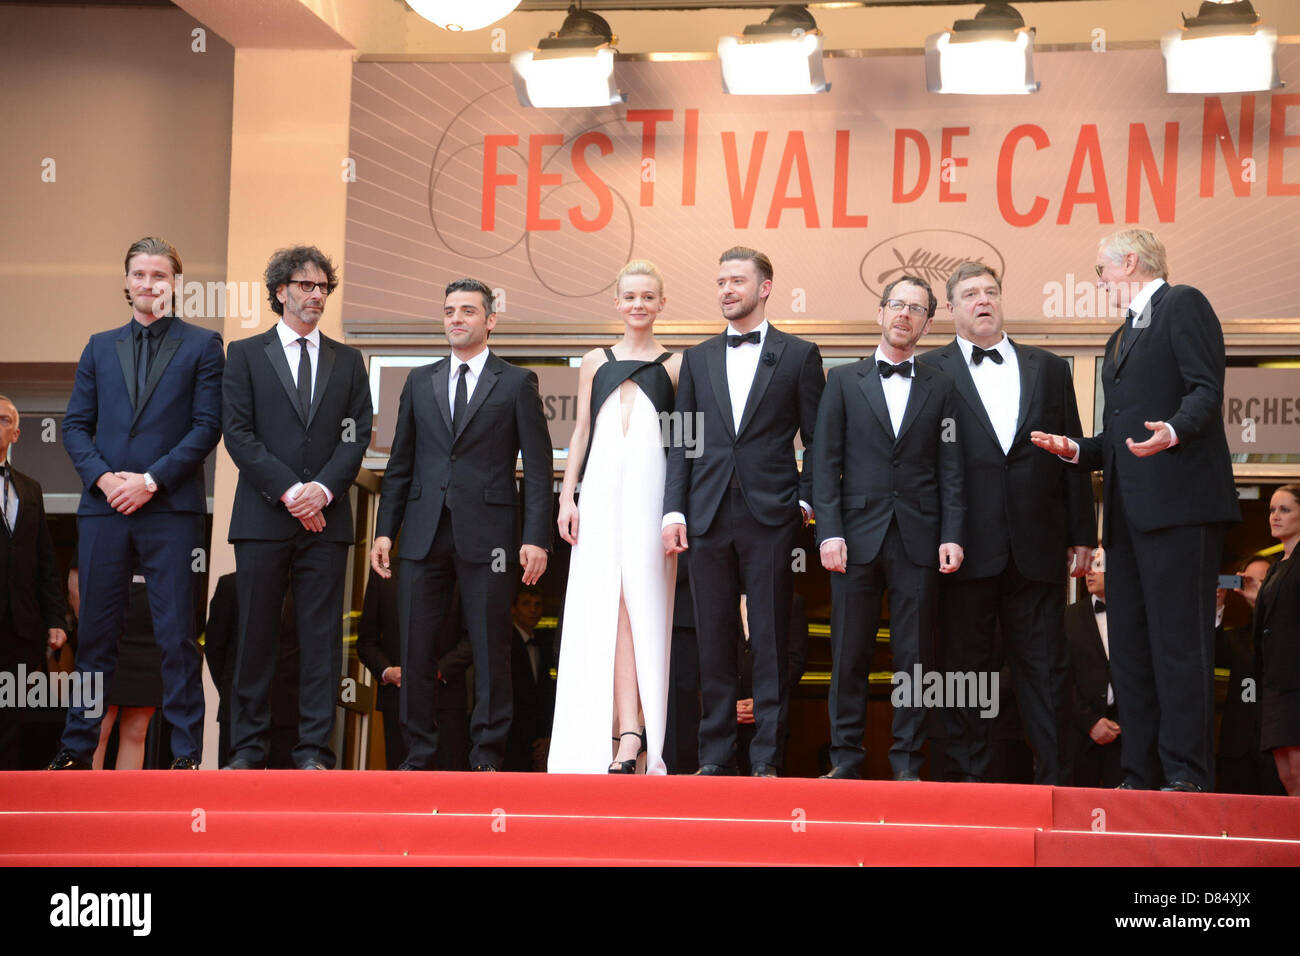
(145, 412)
(297, 420)
(1028, 517)
(890, 505)
(461, 422)
(1168, 497)
(738, 505)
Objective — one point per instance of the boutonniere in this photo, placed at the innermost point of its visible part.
(769, 358)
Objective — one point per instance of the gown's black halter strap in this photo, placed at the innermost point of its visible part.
(650, 376)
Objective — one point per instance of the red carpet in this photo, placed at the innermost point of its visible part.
(347, 818)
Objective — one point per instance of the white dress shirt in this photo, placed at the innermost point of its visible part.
(897, 390)
(471, 379)
(293, 355)
(998, 387)
(1105, 643)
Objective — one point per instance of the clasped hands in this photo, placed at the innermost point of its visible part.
(125, 491)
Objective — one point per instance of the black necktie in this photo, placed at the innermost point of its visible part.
(462, 395)
(735, 341)
(1099, 607)
(141, 364)
(304, 379)
(902, 368)
(978, 355)
(1128, 321)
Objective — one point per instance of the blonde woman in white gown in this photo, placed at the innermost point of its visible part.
(612, 698)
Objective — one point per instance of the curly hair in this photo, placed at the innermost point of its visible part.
(285, 262)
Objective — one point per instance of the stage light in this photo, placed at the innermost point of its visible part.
(991, 54)
(459, 15)
(573, 67)
(1221, 50)
(780, 56)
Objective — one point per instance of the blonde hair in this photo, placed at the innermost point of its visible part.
(1144, 244)
(639, 267)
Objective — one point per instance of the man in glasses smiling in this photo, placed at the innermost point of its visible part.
(297, 416)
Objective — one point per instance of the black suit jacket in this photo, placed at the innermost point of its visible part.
(864, 477)
(470, 469)
(1277, 628)
(761, 451)
(1089, 666)
(1022, 503)
(274, 448)
(379, 640)
(1169, 369)
(29, 581)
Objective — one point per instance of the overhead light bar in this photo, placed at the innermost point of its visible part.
(780, 56)
(1221, 50)
(991, 54)
(573, 67)
(462, 15)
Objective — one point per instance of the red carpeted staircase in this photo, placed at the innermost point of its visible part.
(169, 818)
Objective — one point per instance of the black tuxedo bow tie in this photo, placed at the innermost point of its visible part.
(735, 341)
(902, 368)
(978, 355)
(1099, 607)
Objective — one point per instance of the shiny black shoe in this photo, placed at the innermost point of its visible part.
(184, 763)
(907, 776)
(407, 765)
(1129, 785)
(763, 770)
(1182, 786)
(714, 770)
(841, 773)
(67, 760)
(484, 768)
(628, 766)
(312, 765)
(240, 763)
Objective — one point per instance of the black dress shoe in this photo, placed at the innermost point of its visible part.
(184, 763)
(484, 768)
(312, 765)
(1182, 786)
(240, 763)
(407, 765)
(714, 770)
(1128, 786)
(907, 776)
(763, 770)
(842, 773)
(67, 760)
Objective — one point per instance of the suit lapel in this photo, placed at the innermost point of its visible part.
(274, 349)
(774, 344)
(325, 365)
(126, 358)
(715, 351)
(441, 374)
(486, 382)
(1140, 324)
(1028, 363)
(955, 365)
(869, 382)
(916, 396)
(166, 351)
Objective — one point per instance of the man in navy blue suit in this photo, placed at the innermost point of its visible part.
(144, 414)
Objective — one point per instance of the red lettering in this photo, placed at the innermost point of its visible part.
(1086, 149)
(1278, 143)
(537, 179)
(840, 218)
(949, 162)
(492, 179)
(690, 156)
(1005, 158)
(742, 198)
(794, 158)
(901, 139)
(1214, 129)
(604, 199)
(649, 119)
(1142, 160)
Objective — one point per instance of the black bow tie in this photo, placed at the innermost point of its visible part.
(735, 341)
(1099, 606)
(902, 368)
(978, 355)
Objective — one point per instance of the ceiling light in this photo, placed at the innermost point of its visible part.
(1221, 50)
(988, 55)
(573, 67)
(780, 56)
(458, 15)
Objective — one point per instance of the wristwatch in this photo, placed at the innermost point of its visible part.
(150, 484)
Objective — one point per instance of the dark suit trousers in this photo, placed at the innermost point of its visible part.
(315, 569)
(738, 555)
(11, 656)
(1160, 611)
(1031, 615)
(109, 547)
(856, 599)
(682, 732)
(424, 598)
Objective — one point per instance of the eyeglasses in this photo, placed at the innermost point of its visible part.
(308, 287)
(916, 311)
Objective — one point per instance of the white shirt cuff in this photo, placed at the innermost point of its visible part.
(297, 488)
(1173, 435)
(673, 517)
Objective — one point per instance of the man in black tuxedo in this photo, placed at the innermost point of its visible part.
(1168, 497)
(1094, 735)
(450, 482)
(297, 422)
(1028, 517)
(31, 600)
(145, 412)
(890, 505)
(737, 505)
(531, 660)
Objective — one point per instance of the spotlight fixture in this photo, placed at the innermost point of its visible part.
(573, 67)
(993, 53)
(780, 56)
(1221, 50)
(459, 15)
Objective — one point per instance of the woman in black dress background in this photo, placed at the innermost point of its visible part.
(1277, 642)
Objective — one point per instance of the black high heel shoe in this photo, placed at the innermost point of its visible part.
(628, 766)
